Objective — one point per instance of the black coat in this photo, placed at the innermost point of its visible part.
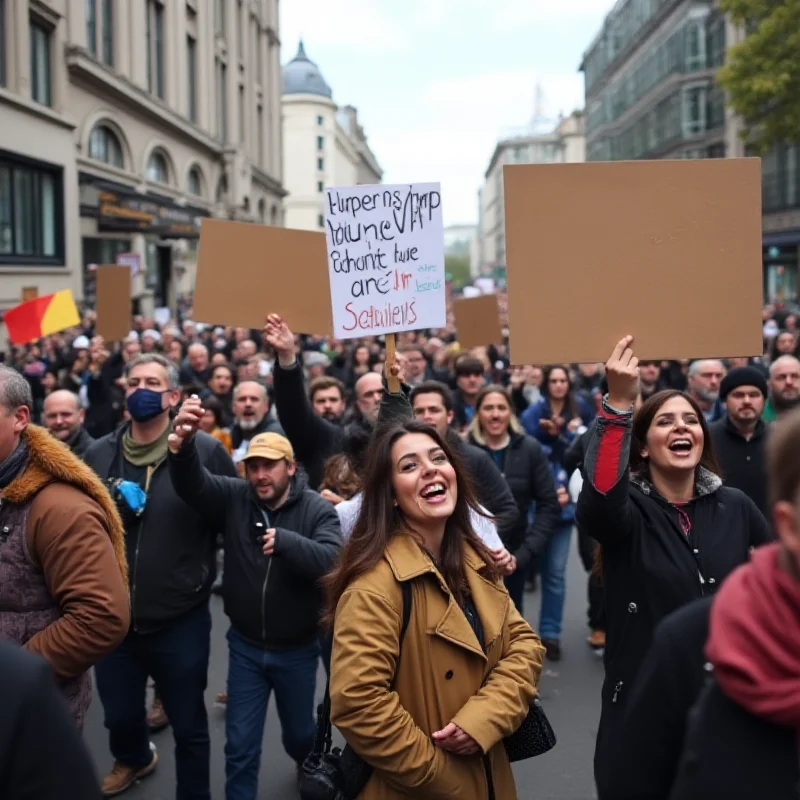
(314, 439)
(742, 461)
(651, 568)
(171, 547)
(530, 478)
(42, 754)
(645, 759)
(272, 601)
(730, 754)
(83, 441)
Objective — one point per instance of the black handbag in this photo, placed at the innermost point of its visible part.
(329, 773)
(534, 737)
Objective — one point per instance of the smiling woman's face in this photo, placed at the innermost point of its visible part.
(423, 480)
(675, 439)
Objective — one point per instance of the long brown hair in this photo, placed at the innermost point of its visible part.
(642, 421)
(475, 427)
(570, 410)
(640, 466)
(379, 519)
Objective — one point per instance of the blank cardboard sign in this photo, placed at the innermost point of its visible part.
(477, 321)
(246, 271)
(667, 251)
(113, 302)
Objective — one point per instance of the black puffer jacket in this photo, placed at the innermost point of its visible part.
(530, 478)
(171, 547)
(651, 568)
(273, 601)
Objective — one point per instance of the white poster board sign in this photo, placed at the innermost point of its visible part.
(385, 258)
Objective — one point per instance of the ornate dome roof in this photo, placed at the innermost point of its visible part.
(302, 76)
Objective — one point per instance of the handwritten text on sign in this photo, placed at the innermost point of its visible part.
(385, 258)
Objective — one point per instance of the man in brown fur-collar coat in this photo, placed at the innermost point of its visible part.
(63, 574)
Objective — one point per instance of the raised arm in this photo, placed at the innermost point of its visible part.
(306, 430)
(604, 507)
(193, 483)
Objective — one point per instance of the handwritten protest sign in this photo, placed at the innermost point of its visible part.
(385, 258)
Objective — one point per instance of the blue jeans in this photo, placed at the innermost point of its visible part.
(177, 658)
(252, 675)
(553, 568)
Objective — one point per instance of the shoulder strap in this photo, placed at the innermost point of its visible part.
(323, 733)
(405, 586)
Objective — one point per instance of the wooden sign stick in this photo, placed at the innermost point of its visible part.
(392, 380)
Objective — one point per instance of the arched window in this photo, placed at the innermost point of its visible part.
(262, 211)
(274, 216)
(105, 146)
(194, 182)
(157, 169)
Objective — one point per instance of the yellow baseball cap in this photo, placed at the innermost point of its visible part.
(270, 445)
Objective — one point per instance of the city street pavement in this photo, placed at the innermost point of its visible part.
(570, 692)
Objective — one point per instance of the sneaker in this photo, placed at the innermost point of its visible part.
(552, 649)
(122, 778)
(597, 641)
(156, 717)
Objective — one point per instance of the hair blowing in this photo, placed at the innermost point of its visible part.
(380, 520)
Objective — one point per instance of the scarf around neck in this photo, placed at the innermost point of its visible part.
(145, 455)
(14, 464)
(754, 639)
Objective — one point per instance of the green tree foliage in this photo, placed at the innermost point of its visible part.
(762, 73)
(457, 270)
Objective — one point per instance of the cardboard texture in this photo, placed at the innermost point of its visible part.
(113, 302)
(477, 321)
(246, 271)
(667, 251)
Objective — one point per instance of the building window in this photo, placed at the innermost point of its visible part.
(260, 133)
(320, 142)
(695, 54)
(157, 169)
(191, 76)
(242, 124)
(321, 164)
(320, 187)
(30, 212)
(91, 26)
(222, 101)
(694, 110)
(105, 146)
(40, 63)
(219, 17)
(106, 29)
(108, 33)
(195, 183)
(321, 221)
(273, 217)
(155, 48)
(320, 121)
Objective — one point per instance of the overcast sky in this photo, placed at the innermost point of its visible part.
(437, 82)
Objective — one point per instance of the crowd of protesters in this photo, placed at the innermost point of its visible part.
(272, 468)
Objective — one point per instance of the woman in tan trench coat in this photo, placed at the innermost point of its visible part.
(429, 713)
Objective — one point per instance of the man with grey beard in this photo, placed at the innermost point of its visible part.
(251, 412)
(705, 378)
(784, 387)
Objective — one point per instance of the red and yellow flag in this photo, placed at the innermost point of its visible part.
(52, 313)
